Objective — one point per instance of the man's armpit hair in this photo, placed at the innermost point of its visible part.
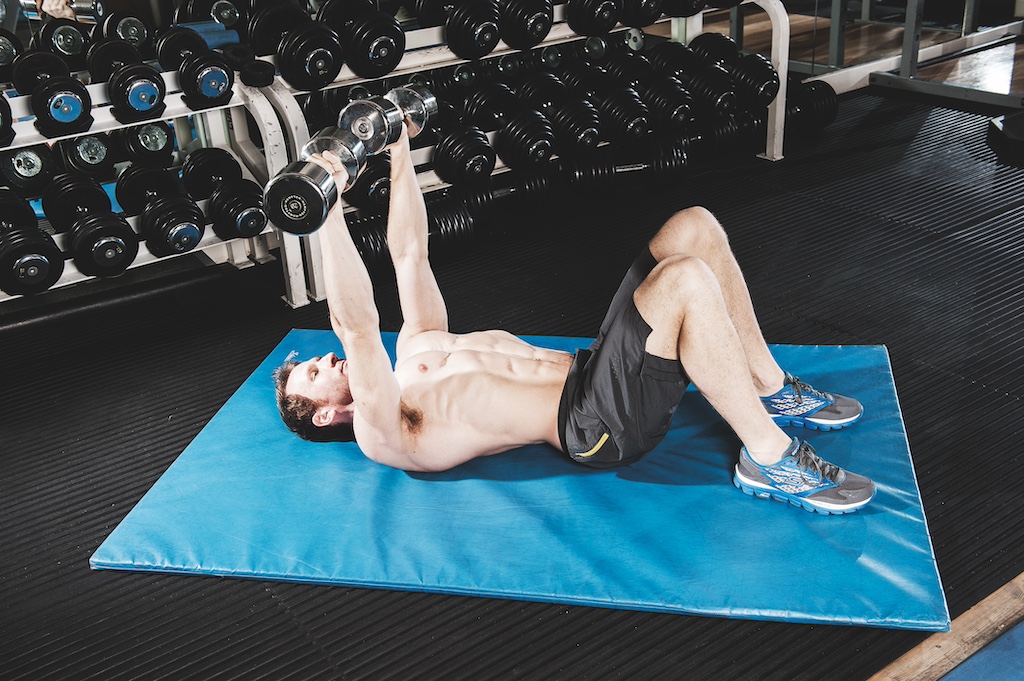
(297, 411)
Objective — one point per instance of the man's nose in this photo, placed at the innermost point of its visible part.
(330, 359)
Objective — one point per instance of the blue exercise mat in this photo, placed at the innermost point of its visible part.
(669, 534)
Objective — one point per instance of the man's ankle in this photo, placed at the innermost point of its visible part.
(770, 454)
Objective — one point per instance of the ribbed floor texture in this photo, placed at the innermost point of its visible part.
(896, 226)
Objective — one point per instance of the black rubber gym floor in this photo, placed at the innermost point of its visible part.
(897, 226)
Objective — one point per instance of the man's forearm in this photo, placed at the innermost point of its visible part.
(349, 289)
(407, 213)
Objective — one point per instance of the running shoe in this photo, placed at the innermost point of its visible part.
(798, 404)
(804, 479)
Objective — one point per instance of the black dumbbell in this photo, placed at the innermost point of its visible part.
(65, 38)
(88, 154)
(150, 143)
(101, 243)
(524, 135)
(127, 27)
(682, 8)
(525, 23)
(204, 75)
(28, 169)
(624, 114)
(236, 204)
(30, 260)
(591, 17)
(372, 188)
(377, 121)
(471, 27)
(10, 47)
(756, 80)
(136, 90)
(170, 221)
(716, 49)
(269, 22)
(310, 56)
(462, 155)
(372, 39)
(575, 121)
(61, 104)
(639, 13)
(6, 122)
(600, 172)
(667, 99)
(234, 16)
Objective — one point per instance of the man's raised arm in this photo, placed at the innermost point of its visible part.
(375, 391)
(423, 307)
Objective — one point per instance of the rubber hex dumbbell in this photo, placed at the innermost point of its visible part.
(170, 221)
(204, 76)
(373, 40)
(377, 121)
(30, 260)
(101, 243)
(28, 169)
(65, 38)
(136, 90)
(471, 27)
(61, 104)
(236, 204)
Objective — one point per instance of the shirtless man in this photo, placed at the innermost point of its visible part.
(451, 398)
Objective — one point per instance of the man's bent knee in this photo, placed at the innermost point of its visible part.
(692, 231)
(676, 280)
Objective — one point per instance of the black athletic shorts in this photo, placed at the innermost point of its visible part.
(618, 399)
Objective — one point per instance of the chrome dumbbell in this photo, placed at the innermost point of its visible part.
(377, 121)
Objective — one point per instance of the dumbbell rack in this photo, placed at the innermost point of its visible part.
(425, 49)
(283, 130)
(211, 129)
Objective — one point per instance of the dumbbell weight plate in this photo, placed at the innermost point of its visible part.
(372, 188)
(206, 168)
(147, 144)
(682, 8)
(310, 57)
(31, 68)
(591, 17)
(70, 197)
(28, 169)
(67, 39)
(374, 44)
(525, 23)
(88, 154)
(6, 122)
(16, 211)
(236, 209)
(472, 29)
(10, 48)
(103, 245)
(107, 55)
(127, 27)
(136, 92)
(639, 13)
(62, 106)
(231, 14)
(30, 261)
(177, 43)
(377, 122)
(139, 185)
(172, 225)
(206, 80)
(268, 25)
(417, 103)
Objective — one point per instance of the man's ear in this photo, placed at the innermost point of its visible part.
(333, 416)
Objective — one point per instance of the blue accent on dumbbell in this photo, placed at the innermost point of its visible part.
(144, 96)
(65, 108)
(214, 84)
(213, 32)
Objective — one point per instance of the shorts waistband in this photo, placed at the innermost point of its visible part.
(572, 378)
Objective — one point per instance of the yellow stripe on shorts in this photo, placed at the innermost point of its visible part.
(600, 443)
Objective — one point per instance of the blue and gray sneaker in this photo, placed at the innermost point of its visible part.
(804, 479)
(798, 404)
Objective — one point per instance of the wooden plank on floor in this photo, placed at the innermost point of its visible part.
(970, 632)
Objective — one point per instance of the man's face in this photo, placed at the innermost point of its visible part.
(321, 379)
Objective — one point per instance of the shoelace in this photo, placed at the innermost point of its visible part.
(800, 388)
(808, 460)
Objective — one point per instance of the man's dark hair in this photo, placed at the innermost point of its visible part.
(297, 412)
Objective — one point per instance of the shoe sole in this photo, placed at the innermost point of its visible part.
(779, 495)
(810, 424)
